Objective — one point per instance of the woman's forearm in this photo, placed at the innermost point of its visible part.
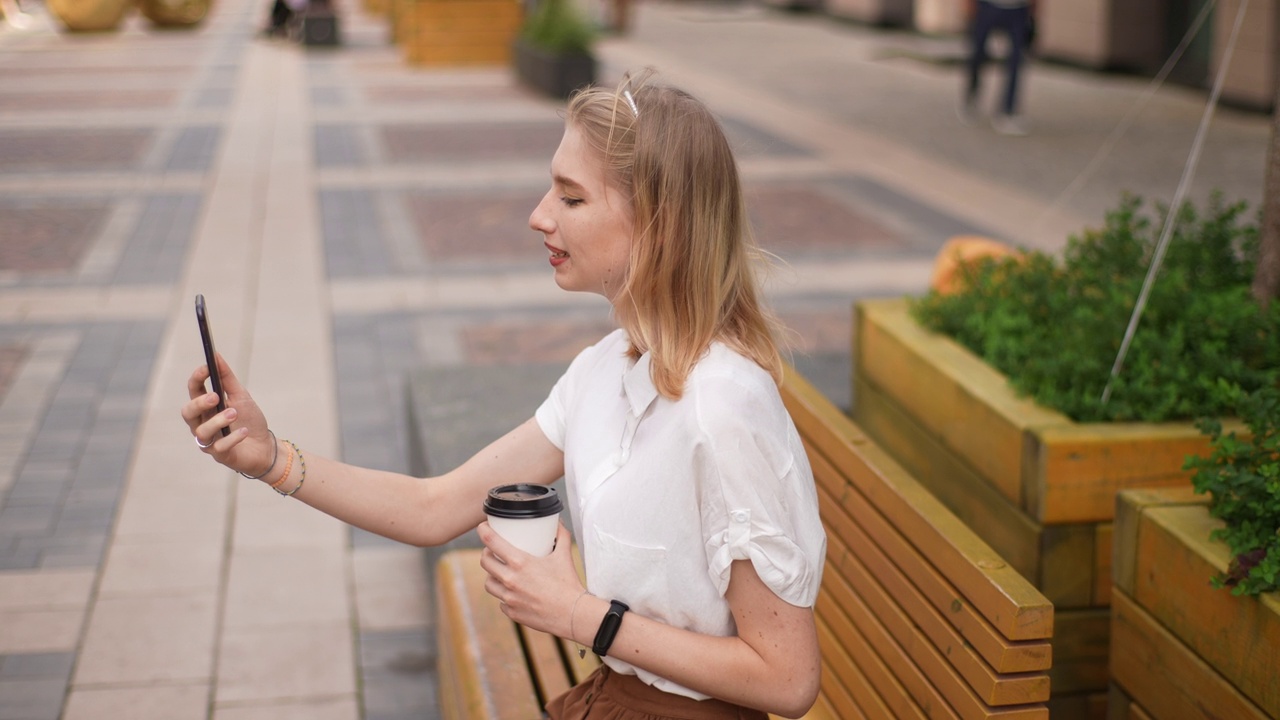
(772, 664)
(407, 509)
(417, 511)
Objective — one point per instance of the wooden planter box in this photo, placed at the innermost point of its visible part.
(1183, 649)
(552, 73)
(1037, 487)
(456, 32)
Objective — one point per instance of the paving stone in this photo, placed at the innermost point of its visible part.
(48, 237)
(551, 341)
(67, 150)
(338, 146)
(397, 674)
(36, 665)
(155, 252)
(410, 94)
(194, 149)
(12, 356)
(351, 229)
(31, 698)
(793, 220)
(114, 99)
(472, 142)
(477, 227)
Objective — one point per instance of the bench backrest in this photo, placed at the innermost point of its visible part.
(917, 616)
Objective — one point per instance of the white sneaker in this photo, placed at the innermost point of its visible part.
(1014, 125)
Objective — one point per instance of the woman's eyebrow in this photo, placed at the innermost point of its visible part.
(568, 183)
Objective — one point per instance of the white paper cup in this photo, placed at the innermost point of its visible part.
(525, 515)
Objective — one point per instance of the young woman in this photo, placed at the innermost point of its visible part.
(690, 494)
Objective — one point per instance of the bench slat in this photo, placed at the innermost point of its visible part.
(890, 557)
(1004, 597)
(930, 680)
(543, 653)
(480, 659)
(843, 681)
(846, 644)
(579, 667)
(943, 643)
(842, 610)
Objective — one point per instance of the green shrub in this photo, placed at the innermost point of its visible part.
(557, 25)
(1053, 327)
(1242, 478)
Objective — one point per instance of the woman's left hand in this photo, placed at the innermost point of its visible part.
(537, 592)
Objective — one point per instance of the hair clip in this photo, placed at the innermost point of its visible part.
(626, 94)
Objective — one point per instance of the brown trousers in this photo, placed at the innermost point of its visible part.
(609, 695)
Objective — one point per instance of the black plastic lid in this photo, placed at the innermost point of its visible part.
(522, 500)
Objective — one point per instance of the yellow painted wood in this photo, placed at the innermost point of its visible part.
(973, 499)
(1079, 468)
(1005, 598)
(845, 647)
(480, 652)
(542, 653)
(1164, 676)
(956, 396)
(926, 592)
(1067, 564)
(1238, 637)
(1080, 706)
(1130, 505)
(1060, 560)
(931, 642)
(919, 686)
(457, 32)
(931, 682)
(1103, 560)
(1081, 645)
(835, 699)
(1057, 471)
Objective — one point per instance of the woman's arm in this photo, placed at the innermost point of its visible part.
(418, 511)
(772, 664)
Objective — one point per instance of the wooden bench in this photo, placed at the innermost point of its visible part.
(917, 617)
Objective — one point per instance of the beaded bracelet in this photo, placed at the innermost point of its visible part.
(274, 456)
(288, 468)
(301, 478)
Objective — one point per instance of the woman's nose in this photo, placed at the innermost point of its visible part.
(539, 219)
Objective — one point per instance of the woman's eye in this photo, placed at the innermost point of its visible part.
(571, 202)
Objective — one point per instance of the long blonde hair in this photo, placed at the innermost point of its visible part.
(691, 280)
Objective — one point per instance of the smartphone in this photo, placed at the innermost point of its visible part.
(210, 357)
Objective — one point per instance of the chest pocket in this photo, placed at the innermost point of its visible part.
(633, 574)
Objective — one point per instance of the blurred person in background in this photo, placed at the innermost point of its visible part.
(1015, 18)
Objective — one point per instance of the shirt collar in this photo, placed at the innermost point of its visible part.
(637, 386)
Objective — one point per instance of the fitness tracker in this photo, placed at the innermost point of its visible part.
(609, 627)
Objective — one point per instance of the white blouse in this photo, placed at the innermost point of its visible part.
(665, 495)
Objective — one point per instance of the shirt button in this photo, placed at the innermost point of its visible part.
(740, 516)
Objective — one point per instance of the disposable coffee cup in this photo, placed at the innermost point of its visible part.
(525, 515)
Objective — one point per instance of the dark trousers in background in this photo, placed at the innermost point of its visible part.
(1013, 21)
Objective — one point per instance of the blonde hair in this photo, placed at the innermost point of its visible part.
(691, 279)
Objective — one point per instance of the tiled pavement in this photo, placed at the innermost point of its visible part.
(354, 221)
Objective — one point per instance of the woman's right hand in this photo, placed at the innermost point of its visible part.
(248, 448)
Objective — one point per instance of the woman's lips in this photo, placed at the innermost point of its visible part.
(557, 255)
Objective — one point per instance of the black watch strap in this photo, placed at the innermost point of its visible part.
(609, 627)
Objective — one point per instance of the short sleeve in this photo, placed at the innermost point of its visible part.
(758, 500)
(553, 414)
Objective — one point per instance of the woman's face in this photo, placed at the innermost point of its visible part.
(585, 223)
